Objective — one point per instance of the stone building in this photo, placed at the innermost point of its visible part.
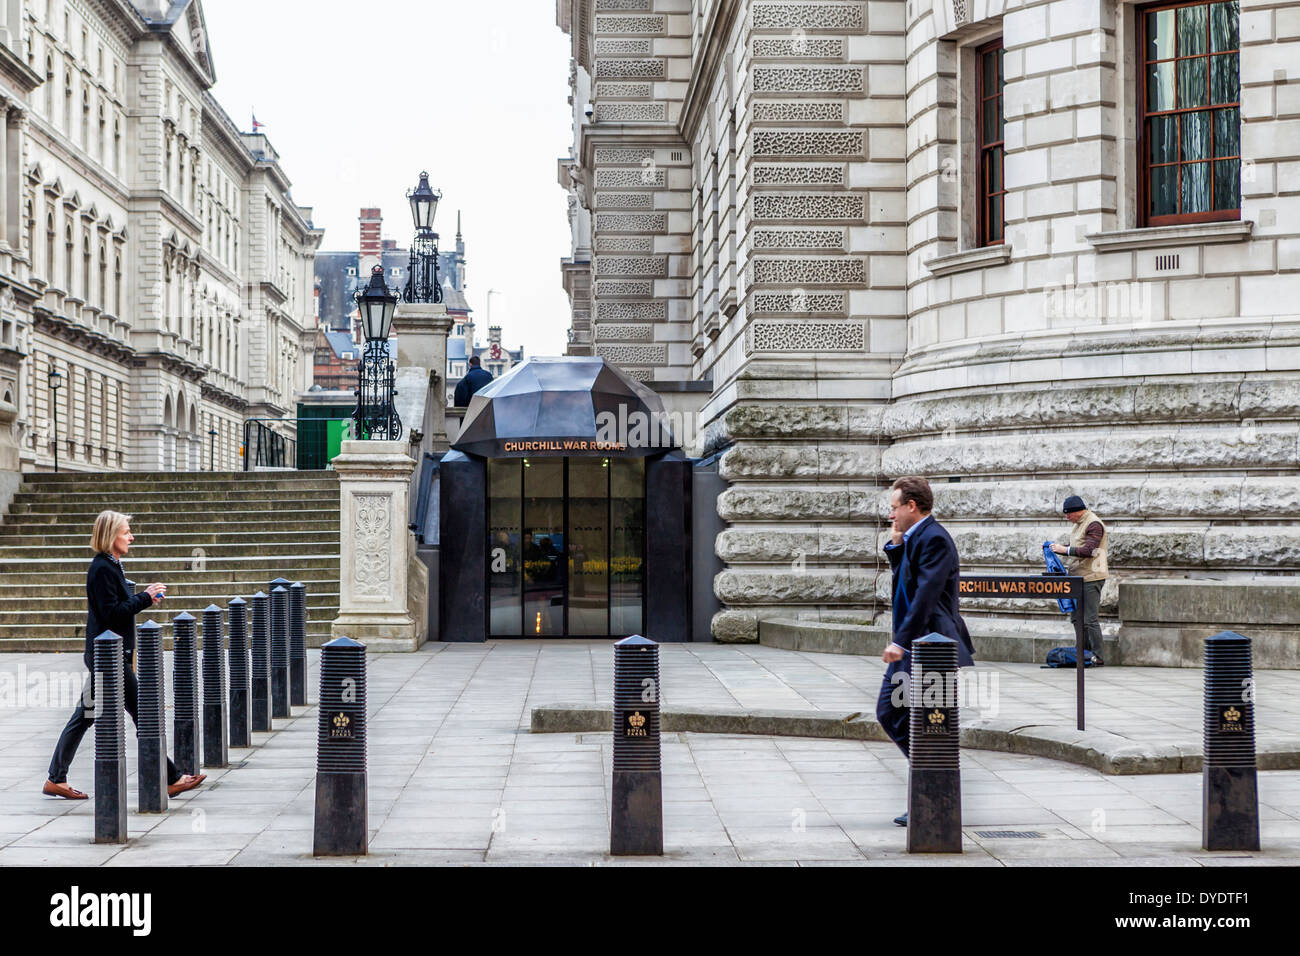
(1022, 249)
(151, 253)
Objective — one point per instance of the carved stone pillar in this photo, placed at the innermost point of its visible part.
(376, 548)
(420, 329)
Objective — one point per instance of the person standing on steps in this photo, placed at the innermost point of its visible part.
(1085, 556)
(925, 569)
(112, 607)
(474, 379)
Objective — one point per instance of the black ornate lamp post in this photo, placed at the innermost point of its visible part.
(55, 379)
(212, 449)
(375, 415)
(422, 282)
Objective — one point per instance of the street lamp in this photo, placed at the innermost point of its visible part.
(212, 449)
(55, 379)
(422, 280)
(375, 415)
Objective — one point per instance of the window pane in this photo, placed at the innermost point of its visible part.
(999, 58)
(627, 535)
(1223, 26)
(1196, 134)
(588, 547)
(1192, 23)
(505, 613)
(995, 169)
(1191, 82)
(1164, 191)
(991, 121)
(1160, 35)
(1227, 132)
(995, 218)
(543, 547)
(1224, 82)
(1227, 184)
(1196, 187)
(1160, 87)
(1164, 139)
(990, 73)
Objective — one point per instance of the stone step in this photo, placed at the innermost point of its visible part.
(153, 493)
(170, 607)
(82, 510)
(61, 537)
(206, 522)
(257, 566)
(149, 552)
(19, 643)
(198, 596)
(62, 477)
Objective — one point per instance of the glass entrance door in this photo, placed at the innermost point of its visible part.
(565, 547)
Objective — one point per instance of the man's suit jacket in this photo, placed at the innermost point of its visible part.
(110, 606)
(926, 567)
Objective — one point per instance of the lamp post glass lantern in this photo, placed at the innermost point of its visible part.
(422, 278)
(375, 415)
(55, 379)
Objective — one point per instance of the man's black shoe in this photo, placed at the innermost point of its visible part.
(901, 820)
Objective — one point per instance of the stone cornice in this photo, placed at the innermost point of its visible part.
(706, 66)
(80, 336)
(171, 363)
(164, 199)
(221, 396)
(14, 69)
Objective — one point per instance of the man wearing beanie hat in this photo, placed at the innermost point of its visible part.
(1085, 556)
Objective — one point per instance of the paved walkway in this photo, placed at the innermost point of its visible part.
(455, 776)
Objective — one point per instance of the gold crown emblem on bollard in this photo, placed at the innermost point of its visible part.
(637, 719)
(342, 720)
(1232, 714)
(937, 716)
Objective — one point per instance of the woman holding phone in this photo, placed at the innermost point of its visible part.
(112, 607)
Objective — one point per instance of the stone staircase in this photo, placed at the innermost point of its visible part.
(209, 536)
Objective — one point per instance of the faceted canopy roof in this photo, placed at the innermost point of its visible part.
(570, 405)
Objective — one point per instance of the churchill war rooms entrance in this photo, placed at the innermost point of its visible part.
(561, 514)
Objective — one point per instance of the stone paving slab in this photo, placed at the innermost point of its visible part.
(457, 779)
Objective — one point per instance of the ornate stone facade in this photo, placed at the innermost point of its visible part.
(151, 251)
(826, 275)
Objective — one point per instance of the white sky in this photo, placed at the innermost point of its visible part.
(326, 76)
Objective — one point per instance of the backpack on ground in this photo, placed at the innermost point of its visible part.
(1064, 657)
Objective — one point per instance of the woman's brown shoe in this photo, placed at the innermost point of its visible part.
(186, 782)
(52, 789)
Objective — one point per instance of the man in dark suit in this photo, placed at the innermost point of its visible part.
(474, 379)
(925, 568)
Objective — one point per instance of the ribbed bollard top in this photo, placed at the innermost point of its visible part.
(238, 640)
(185, 674)
(260, 625)
(297, 619)
(110, 731)
(341, 727)
(932, 707)
(152, 704)
(636, 704)
(214, 657)
(1229, 701)
(279, 627)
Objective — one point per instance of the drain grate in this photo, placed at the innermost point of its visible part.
(1009, 834)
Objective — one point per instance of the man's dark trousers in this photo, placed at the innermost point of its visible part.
(894, 718)
(84, 716)
(1090, 607)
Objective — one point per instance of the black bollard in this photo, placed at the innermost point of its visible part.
(1229, 788)
(934, 777)
(185, 694)
(240, 688)
(636, 826)
(341, 827)
(151, 719)
(298, 644)
(261, 670)
(110, 741)
(280, 652)
(215, 750)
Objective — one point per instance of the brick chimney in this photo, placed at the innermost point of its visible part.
(372, 245)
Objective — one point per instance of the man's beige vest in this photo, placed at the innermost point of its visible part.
(1093, 568)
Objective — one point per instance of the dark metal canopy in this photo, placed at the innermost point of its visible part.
(572, 405)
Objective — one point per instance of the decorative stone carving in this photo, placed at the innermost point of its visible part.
(612, 287)
(631, 112)
(619, 177)
(809, 142)
(616, 90)
(656, 311)
(654, 24)
(625, 200)
(625, 243)
(808, 79)
(817, 111)
(624, 5)
(846, 17)
(805, 336)
(623, 47)
(632, 222)
(650, 69)
(772, 237)
(371, 569)
(837, 270)
(799, 302)
(608, 332)
(632, 266)
(818, 206)
(960, 13)
(610, 155)
(816, 47)
(797, 174)
(623, 355)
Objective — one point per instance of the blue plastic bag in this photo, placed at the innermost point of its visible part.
(1054, 566)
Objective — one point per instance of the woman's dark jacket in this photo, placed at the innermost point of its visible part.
(111, 607)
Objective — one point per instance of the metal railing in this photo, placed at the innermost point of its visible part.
(317, 442)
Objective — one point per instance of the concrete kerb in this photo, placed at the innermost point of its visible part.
(1104, 752)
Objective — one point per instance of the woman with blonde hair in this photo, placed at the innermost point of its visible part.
(112, 607)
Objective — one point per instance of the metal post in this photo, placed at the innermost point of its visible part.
(298, 644)
(240, 686)
(1077, 588)
(341, 823)
(110, 741)
(934, 775)
(636, 826)
(1230, 792)
(151, 719)
(185, 694)
(260, 718)
(280, 652)
(215, 749)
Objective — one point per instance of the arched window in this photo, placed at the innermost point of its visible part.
(117, 285)
(50, 233)
(103, 276)
(85, 267)
(67, 259)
